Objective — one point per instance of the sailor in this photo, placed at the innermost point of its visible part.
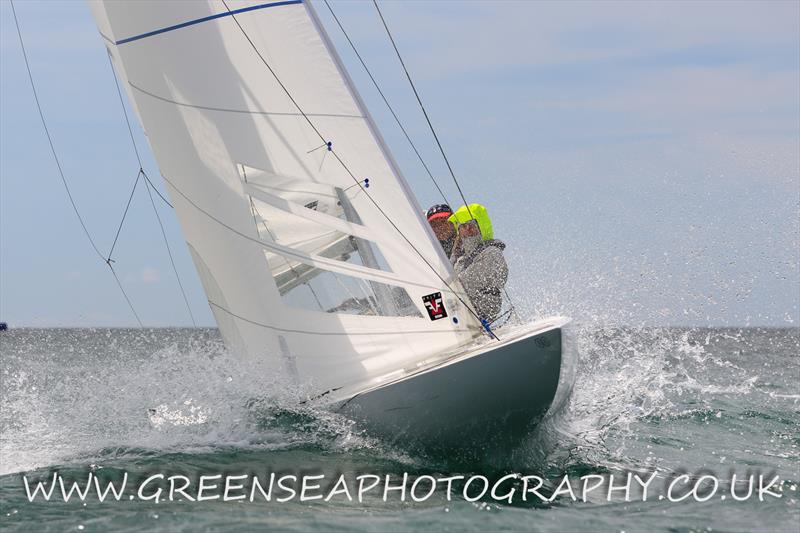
(478, 260)
(444, 230)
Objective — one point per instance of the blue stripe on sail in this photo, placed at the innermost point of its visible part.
(206, 19)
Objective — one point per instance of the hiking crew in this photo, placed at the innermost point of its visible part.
(477, 257)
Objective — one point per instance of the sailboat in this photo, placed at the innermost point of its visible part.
(309, 243)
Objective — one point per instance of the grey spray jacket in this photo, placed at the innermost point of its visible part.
(483, 273)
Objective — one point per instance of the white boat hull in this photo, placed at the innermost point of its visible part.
(488, 398)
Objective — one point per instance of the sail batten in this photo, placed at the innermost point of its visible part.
(291, 246)
(246, 111)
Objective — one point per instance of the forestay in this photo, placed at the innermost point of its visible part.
(301, 262)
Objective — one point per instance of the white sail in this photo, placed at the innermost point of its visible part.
(301, 263)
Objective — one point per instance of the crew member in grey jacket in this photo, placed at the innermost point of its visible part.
(481, 269)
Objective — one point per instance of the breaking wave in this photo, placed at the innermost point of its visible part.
(82, 396)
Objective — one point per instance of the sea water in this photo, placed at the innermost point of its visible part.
(706, 404)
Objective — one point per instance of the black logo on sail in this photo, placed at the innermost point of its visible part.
(435, 305)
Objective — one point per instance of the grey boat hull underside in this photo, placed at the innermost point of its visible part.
(486, 401)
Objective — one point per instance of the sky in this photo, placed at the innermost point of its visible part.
(641, 160)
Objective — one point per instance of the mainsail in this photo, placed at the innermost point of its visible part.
(267, 150)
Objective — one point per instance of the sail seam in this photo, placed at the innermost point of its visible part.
(243, 111)
(107, 38)
(205, 19)
(330, 333)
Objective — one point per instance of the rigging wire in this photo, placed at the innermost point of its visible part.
(122, 103)
(119, 284)
(424, 112)
(130, 132)
(147, 178)
(169, 252)
(430, 125)
(148, 185)
(50, 139)
(347, 169)
(107, 261)
(386, 101)
(124, 214)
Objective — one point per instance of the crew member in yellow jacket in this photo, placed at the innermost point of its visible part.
(476, 255)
